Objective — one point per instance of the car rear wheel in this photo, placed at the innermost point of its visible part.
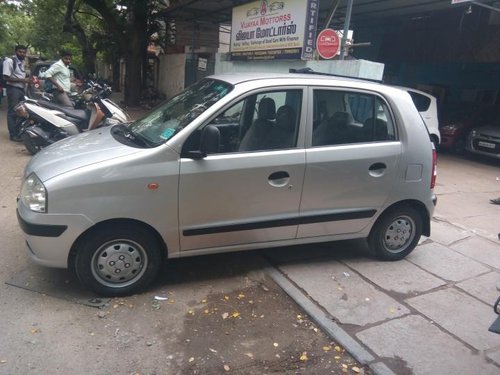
(396, 233)
(116, 261)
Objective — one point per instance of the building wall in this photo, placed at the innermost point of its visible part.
(171, 74)
(351, 68)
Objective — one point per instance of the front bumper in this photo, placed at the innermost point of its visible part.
(487, 146)
(49, 237)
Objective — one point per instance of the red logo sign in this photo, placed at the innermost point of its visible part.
(328, 43)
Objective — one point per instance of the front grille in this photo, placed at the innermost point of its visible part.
(480, 145)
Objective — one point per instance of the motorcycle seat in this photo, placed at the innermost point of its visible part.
(78, 114)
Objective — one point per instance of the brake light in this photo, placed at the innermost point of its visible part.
(434, 168)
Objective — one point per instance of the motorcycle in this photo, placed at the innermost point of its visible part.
(45, 122)
(80, 99)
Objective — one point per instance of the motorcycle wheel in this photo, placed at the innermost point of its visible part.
(30, 145)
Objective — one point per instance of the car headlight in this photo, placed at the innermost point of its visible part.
(474, 133)
(33, 194)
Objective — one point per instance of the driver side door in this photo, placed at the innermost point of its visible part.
(248, 191)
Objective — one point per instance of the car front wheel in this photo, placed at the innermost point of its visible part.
(396, 233)
(118, 261)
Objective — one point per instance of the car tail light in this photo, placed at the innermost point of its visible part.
(434, 168)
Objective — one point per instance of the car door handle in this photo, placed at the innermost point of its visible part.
(279, 179)
(377, 169)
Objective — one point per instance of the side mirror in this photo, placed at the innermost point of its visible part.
(209, 143)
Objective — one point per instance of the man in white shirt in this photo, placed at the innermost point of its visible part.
(59, 74)
(15, 82)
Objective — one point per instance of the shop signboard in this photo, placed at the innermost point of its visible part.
(268, 30)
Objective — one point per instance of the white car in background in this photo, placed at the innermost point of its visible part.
(427, 107)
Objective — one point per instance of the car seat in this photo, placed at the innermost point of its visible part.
(380, 132)
(283, 134)
(254, 138)
(333, 131)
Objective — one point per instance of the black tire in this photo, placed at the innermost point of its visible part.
(435, 141)
(396, 233)
(117, 261)
(30, 145)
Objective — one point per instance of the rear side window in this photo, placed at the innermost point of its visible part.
(342, 117)
(422, 102)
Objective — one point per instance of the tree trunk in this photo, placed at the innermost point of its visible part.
(136, 44)
(72, 26)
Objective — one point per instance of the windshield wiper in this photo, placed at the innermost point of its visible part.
(128, 133)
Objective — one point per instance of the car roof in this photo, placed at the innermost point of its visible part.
(417, 91)
(301, 79)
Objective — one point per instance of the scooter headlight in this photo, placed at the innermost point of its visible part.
(33, 194)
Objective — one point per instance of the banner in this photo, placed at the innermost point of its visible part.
(268, 30)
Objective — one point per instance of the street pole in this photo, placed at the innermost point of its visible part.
(347, 22)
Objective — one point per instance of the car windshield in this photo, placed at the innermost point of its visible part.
(168, 119)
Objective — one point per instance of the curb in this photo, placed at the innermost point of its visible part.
(326, 322)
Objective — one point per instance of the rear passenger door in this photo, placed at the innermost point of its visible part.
(352, 158)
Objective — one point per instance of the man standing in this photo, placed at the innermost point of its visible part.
(15, 81)
(59, 75)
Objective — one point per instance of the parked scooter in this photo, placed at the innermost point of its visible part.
(81, 99)
(46, 122)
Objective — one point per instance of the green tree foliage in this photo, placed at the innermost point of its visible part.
(115, 28)
(15, 27)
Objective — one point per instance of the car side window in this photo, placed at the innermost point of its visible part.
(350, 117)
(261, 122)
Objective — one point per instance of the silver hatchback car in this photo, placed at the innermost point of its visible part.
(234, 162)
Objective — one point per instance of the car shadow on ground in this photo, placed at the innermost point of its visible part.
(63, 284)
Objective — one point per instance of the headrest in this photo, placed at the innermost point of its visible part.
(267, 109)
(341, 118)
(285, 117)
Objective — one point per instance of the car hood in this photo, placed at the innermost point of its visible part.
(77, 151)
(491, 130)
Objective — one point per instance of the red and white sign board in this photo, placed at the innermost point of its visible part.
(328, 43)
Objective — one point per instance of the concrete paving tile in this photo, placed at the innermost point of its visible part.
(494, 356)
(460, 314)
(482, 287)
(419, 343)
(445, 263)
(445, 233)
(480, 249)
(342, 292)
(402, 277)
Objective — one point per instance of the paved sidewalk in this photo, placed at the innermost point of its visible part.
(426, 314)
